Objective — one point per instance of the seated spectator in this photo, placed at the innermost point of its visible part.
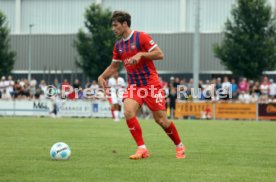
(207, 113)
(6, 95)
(254, 98)
(244, 97)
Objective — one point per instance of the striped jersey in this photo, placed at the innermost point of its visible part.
(144, 73)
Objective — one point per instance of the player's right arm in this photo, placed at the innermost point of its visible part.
(108, 72)
(111, 69)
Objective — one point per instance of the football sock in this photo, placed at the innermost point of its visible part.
(135, 130)
(173, 134)
(112, 113)
(180, 145)
(142, 146)
(116, 114)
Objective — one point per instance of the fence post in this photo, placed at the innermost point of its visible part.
(257, 111)
(214, 111)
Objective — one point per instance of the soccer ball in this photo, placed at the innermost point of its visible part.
(60, 151)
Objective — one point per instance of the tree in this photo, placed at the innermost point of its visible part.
(7, 57)
(95, 48)
(249, 45)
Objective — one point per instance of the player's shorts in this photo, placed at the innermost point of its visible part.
(152, 96)
(116, 99)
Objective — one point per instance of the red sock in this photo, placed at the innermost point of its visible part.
(135, 130)
(173, 134)
(112, 113)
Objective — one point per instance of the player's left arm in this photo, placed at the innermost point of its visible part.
(153, 51)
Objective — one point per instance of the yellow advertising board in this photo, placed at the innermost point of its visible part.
(185, 109)
(235, 111)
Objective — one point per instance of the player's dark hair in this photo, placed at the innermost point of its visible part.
(121, 16)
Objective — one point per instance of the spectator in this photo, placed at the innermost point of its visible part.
(10, 84)
(226, 89)
(176, 82)
(207, 90)
(171, 82)
(94, 87)
(243, 86)
(256, 88)
(234, 88)
(6, 95)
(251, 86)
(272, 90)
(172, 101)
(33, 88)
(2, 85)
(57, 85)
(65, 87)
(264, 87)
(38, 93)
(254, 97)
(218, 83)
(43, 87)
(76, 84)
(244, 97)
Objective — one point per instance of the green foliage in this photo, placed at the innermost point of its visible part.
(249, 42)
(7, 57)
(95, 48)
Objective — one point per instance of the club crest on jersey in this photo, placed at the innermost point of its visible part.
(120, 50)
(133, 46)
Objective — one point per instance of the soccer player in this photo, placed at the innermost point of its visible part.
(117, 85)
(136, 50)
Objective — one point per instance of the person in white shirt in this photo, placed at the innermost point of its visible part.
(94, 87)
(2, 85)
(264, 87)
(244, 97)
(226, 89)
(117, 85)
(272, 90)
(10, 84)
(6, 95)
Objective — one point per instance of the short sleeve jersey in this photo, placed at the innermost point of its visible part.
(144, 73)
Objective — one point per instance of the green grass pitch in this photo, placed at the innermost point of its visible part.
(216, 151)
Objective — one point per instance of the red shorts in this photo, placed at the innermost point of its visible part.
(152, 96)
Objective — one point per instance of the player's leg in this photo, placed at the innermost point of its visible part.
(161, 118)
(115, 106)
(116, 112)
(156, 102)
(130, 108)
(111, 107)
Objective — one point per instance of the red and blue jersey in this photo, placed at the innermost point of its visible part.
(143, 73)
